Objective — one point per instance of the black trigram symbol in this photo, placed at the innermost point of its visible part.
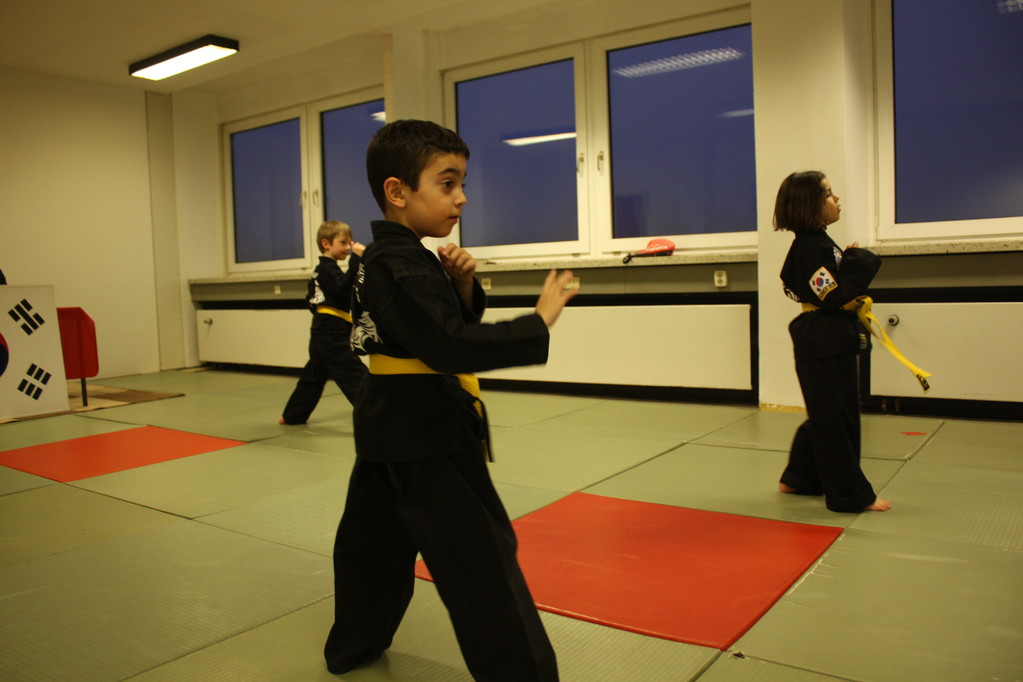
(23, 315)
(32, 385)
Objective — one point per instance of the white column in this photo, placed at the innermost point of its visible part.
(813, 99)
(412, 84)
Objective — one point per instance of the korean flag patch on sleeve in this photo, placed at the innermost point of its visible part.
(822, 283)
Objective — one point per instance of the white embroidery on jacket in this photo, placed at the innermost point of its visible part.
(363, 327)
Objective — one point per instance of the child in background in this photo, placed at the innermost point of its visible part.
(329, 295)
(827, 337)
(420, 481)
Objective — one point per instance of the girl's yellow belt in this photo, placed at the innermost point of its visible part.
(861, 306)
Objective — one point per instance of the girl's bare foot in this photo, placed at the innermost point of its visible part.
(879, 505)
(786, 488)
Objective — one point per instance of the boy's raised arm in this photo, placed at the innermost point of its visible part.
(556, 293)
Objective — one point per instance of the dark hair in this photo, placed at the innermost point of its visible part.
(402, 149)
(800, 203)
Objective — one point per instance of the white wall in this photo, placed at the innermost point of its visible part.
(198, 181)
(697, 346)
(976, 358)
(164, 212)
(75, 207)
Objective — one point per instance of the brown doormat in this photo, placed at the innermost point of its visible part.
(100, 397)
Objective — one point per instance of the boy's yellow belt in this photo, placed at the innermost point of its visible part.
(861, 306)
(386, 364)
(327, 310)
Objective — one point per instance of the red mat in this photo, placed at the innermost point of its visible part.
(681, 574)
(105, 453)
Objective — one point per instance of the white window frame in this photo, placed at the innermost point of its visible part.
(601, 137)
(241, 126)
(315, 159)
(581, 245)
(311, 198)
(888, 231)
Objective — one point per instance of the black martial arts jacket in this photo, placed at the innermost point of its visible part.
(818, 272)
(331, 287)
(405, 305)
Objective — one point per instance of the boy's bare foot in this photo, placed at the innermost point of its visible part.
(281, 421)
(879, 505)
(786, 488)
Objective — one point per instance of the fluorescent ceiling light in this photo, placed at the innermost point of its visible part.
(537, 139)
(184, 57)
(680, 62)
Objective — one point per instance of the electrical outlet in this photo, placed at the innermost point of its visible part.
(485, 283)
(721, 278)
(277, 290)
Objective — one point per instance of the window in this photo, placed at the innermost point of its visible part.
(344, 133)
(523, 156)
(681, 115)
(279, 167)
(954, 103)
(267, 180)
(594, 149)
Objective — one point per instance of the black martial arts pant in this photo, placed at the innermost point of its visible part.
(330, 357)
(445, 507)
(825, 453)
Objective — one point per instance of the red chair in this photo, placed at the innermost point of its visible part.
(78, 342)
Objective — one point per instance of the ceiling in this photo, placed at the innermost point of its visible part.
(96, 40)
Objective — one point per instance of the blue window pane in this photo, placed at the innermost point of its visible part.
(267, 181)
(345, 134)
(958, 108)
(682, 146)
(520, 128)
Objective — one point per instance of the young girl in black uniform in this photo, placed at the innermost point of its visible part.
(420, 481)
(827, 337)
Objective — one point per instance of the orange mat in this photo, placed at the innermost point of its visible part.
(105, 453)
(681, 574)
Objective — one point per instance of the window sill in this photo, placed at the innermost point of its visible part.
(694, 258)
(288, 276)
(949, 247)
(684, 258)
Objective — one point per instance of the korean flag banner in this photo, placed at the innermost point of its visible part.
(32, 380)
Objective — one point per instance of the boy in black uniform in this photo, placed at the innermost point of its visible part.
(420, 481)
(329, 294)
(827, 337)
